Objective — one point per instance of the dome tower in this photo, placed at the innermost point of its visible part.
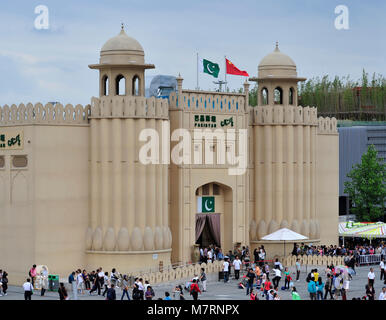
(285, 144)
(277, 79)
(122, 67)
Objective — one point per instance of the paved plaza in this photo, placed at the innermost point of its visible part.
(218, 290)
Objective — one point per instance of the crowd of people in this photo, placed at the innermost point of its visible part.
(256, 276)
(259, 277)
(356, 251)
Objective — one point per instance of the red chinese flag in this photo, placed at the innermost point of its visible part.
(231, 69)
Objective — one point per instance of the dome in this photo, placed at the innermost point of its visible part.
(277, 64)
(122, 49)
(122, 42)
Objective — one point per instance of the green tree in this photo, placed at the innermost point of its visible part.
(367, 187)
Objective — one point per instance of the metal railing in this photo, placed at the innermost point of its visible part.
(370, 259)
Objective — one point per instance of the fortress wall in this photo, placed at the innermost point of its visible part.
(327, 179)
(286, 169)
(129, 210)
(43, 206)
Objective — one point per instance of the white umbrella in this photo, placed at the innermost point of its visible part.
(284, 234)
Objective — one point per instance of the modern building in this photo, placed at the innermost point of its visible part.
(354, 139)
(75, 189)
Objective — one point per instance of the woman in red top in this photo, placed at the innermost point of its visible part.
(194, 289)
(267, 287)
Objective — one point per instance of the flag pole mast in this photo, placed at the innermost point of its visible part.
(225, 72)
(197, 88)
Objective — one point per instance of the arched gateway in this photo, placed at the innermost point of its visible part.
(214, 215)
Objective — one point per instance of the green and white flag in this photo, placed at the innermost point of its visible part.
(209, 67)
(205, 204)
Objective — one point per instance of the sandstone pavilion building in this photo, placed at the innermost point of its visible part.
(74, 193)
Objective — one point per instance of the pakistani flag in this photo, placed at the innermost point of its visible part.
(209, 67)
(205, 204)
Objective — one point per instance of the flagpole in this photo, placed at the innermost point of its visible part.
(197, 73)
(225, 73)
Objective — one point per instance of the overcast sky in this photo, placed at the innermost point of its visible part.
(52, 65)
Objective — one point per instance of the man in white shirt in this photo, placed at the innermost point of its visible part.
(237, 265)
(80, 281)
(382, 266)
(226, 270)
(382, 295)
(210, 256)
(371, 277)
(27, 286)
(141, 288)
(276, 279)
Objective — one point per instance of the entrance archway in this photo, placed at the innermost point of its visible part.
(214, 216)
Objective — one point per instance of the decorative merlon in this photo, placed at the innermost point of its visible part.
(129, 107)
(44, 114)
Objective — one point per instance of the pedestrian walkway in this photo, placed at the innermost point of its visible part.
(218, 290)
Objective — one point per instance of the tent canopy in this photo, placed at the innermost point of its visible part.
(362, 229)
(284, 234)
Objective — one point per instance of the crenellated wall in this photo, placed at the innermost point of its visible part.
(129, 107)
(284, 115)
(44, 114)
(129, 212)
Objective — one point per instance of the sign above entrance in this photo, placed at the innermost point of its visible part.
(205, 204)
(212, 121)
(11, 139)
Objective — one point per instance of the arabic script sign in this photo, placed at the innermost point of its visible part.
(11, 139)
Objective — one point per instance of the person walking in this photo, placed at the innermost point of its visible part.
(125, 287)
(43, 281)
(97, 284)
(345, 286)
(250, 280)
(371, 277)
(72, 281)
(28, 289)
(328, 287)
(287, 278)
(80, 282)
(237, 265)
(106, 283)
(194, 290)
(226, 270)
(267, 287)
(382, 267)
(111, 295)
(338, 284)
(277, 277)
(312, 289)
(62, 292)
(86, 280)
(136, 294)
(32, 274)
(319, 289)
(141, 288)
(203, 279)
(298, 266)
(4, 282)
